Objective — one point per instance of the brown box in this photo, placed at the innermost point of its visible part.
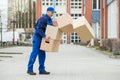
(54, 32)
(83, 29)
(65, 23)
(52, 46)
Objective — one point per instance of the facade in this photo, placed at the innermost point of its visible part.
(91, 10)
(104, 16)
(110, 20)
(26, 12)
(73, 7)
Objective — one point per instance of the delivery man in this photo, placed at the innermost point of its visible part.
(40, 28)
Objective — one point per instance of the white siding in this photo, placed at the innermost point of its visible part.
(112, 20)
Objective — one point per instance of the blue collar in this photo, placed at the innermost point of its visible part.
(47, 16)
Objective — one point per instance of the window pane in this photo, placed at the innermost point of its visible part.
(94, 4)
(99, 3)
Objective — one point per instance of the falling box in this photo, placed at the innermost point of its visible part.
(83, 29)
(52, 46)
(54, 32)
(65, 23)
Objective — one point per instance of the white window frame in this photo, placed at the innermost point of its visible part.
(96, 28)
(74, 39)
(112, 20)
(97, 6)
(77, 6)
(64, 38)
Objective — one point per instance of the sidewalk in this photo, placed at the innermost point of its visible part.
(71, 63)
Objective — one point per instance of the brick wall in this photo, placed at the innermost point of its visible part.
(104, 22)
(68, 11)
(87, 7)
(38, 8)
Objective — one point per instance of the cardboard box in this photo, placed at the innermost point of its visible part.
(65, 23)
(83, 29)
(54, 32)
(52, 46)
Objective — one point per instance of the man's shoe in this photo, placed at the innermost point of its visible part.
(31, 73)
(44, 72)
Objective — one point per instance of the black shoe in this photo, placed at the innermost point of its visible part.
(31, 73)
(44, 72)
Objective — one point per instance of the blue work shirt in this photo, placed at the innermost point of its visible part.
(40, 26)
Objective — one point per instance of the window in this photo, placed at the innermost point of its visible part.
(79, 15)
(96, 4)
(56, 15)
(79, 3)
(60, 14)
(75, 4)
(47, 4)
(50, 3)
(60, 3)
(75, 16)
(64, 38)
(96, 28)
(99, 4)
(75, 38)
(72, 3)
(72, 14)
(56, 3)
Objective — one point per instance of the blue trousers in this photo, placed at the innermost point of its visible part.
(37, 52)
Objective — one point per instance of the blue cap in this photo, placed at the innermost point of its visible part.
(51, 9)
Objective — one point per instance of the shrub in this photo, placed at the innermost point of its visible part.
(116, 48)
(108, 44)
(96, 42)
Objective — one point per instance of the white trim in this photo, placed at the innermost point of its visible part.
(97, 5)
(112, 20)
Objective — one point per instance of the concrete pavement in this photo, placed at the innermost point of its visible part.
(70, 63)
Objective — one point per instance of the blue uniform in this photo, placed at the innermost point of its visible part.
(40, 29)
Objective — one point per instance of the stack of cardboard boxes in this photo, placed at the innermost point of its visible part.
(66, 25)
(55, 33)
(55, 36)
(83, 29)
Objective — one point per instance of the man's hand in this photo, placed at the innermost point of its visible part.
(47, 38)
(55, 23)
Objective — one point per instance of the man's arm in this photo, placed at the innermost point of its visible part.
(50, 23)
(39, 27)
